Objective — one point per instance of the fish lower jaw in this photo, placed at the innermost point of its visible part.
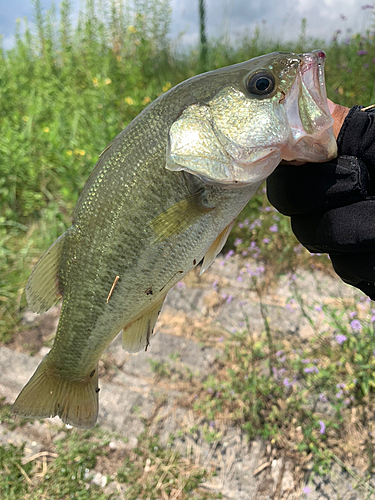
(253, 172)
(317, 148)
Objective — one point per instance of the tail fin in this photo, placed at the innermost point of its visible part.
(47, 394)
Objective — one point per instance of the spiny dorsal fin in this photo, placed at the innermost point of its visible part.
(43, 288)
(47, 394)
(136, 335)
(216, 248)
(177, 218)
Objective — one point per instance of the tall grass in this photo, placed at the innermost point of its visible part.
(68, 87)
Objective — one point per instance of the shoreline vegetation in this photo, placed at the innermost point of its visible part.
(65, 92)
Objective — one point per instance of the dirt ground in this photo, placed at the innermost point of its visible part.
(195, 316)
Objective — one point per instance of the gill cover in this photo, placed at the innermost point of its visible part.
(242, 132)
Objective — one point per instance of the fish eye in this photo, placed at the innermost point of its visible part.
(260, 83)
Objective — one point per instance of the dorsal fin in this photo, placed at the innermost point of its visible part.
(43, 287)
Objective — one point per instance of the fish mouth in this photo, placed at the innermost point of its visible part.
(308, 114)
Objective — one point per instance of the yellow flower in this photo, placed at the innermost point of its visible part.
(69, 152)
(46, 130)
(25, 118)
(95, 82)
(129, 101)
(167, 86)
(82, 152)
(107, 81)
(146, 100)
(119, 58)
(131, 29)
(341, 90)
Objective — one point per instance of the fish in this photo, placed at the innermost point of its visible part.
(162, 198)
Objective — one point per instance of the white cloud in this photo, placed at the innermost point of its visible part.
(279, 19)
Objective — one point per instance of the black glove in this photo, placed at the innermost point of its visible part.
(332, 205)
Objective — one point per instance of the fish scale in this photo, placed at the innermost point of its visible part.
(162, 197)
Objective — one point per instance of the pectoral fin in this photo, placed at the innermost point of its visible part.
(137, 334)
(43, 288)
(177, 218)
(216, 248)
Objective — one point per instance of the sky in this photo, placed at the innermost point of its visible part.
(279, 19)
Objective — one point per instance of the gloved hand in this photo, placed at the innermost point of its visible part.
(332, 205)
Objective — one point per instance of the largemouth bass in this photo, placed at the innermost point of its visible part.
(162, 197)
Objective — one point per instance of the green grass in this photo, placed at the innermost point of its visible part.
(280, 387)
(65, 92)
(75, 458)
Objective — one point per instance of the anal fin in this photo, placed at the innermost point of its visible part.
(216, 248)
(43, 289)
(137, 334)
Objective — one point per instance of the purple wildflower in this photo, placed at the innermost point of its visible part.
(229, 299)
(306, 490)
(240, 225)
(322, 427)
(274, 228)
(215, 283)
(286, 382)
(318, 308)
(180, 285)
(356, 325)
(323, 397)
(229, 254)
(266, 240)
(239, 278)
(311, 369)
(340, 338)
(353, 314)
(305, 361)
(362, 52)
(237, 242)
(280, 353)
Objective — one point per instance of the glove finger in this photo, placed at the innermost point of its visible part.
(317, 186)
(344, 229)
(357, 269)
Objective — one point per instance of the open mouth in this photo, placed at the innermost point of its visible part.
(308, 114)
